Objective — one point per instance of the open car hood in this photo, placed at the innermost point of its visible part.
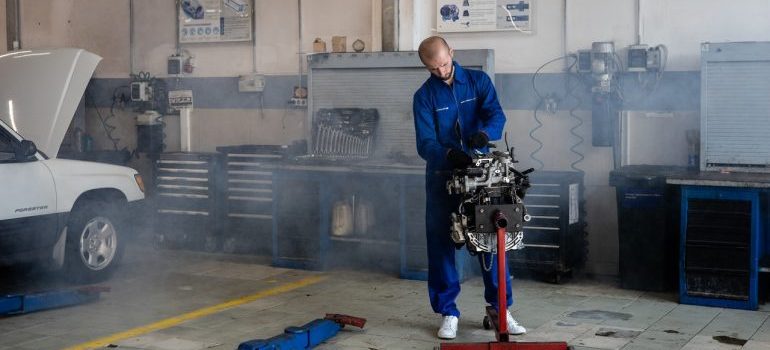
(40, 90)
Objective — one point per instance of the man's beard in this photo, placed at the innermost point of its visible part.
(450, 76)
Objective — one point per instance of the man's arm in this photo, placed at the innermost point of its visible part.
(493, 119)
(428, 146)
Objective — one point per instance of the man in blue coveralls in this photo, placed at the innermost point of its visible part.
(455, 111)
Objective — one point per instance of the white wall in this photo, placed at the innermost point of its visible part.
(3, 33)
(103, 28)
(602, 20)
(98, 26)
(683, 24)
(276, 27)
(277, 36)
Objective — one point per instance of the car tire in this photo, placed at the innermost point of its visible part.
(95, 244)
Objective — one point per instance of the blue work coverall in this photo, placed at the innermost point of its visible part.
(445, 117)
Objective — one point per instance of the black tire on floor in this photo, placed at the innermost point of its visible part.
(95, 241)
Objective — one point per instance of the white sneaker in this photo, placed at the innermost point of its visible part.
(514, 327)
(448, 328)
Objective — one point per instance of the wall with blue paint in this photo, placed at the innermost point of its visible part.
(676, 91)
(224, 116)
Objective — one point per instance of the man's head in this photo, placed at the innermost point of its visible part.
(436, 55)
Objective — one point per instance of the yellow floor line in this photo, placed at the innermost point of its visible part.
(173, 321)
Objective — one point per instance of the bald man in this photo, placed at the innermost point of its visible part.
(456, 111)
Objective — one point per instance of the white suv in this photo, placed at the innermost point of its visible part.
(71, 214)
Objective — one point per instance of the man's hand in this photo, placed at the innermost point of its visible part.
(523, 187)
(479, 140)
(458, 159)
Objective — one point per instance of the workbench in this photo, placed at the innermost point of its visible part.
(386, 202)
(721, 225)
(723, 237)
(390, 234)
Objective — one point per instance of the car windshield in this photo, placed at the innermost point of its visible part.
(6, 146)
(4, 126)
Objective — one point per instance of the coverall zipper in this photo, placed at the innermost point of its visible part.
(459, 116)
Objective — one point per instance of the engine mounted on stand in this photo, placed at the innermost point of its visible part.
(492, 191)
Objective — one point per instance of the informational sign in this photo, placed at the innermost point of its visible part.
(211, 21)
(484, 15)
(178, 99)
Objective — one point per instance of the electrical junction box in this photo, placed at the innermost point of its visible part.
(653, 59)
(175, 65)
(637, 58)
(584, 61)
(252, 82)
(141, 91)
(299, 97)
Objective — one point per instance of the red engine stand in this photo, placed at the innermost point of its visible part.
(501, 325)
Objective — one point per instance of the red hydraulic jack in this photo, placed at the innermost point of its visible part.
(308, 336)
(499, 317)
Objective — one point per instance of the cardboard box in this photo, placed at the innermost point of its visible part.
(319, 45)
(339, 44)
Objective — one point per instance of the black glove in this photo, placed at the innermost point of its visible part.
(478, 140)
(458, 159)
(523, 187)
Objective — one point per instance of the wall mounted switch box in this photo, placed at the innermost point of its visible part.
(174, 66)
(252, 82)
(584, 61)
(141, 91)
(654, 59)
(637, 58)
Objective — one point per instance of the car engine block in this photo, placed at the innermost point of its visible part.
(492, 191)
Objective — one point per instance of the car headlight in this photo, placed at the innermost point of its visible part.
(139, 182)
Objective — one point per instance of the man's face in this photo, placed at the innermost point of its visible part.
(440, 65)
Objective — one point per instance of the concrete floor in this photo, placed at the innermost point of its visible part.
(163, 299)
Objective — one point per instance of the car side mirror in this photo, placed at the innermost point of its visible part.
(25, 150)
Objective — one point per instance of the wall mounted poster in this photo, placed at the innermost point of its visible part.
(207, 21)
(484, 15)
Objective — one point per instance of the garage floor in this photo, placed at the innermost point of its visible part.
(164, 299)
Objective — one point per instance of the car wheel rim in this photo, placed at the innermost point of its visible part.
(98, 243)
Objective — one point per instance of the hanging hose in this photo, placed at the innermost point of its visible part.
(108, 128)
(575, 145)
(545, 100)
(532, 136)
(571, 87)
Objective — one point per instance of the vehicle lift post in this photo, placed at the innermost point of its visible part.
(498, 317)
(25, 303)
